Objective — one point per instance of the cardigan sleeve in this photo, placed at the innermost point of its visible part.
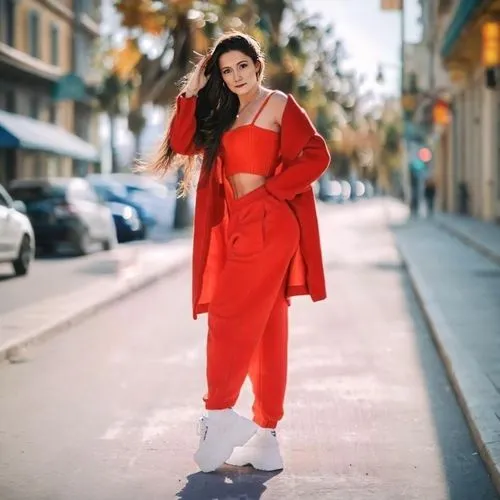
(183, 126)
(304, 154)
(299, 174)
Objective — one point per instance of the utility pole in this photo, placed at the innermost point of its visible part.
(405, 167)
(402, 48)
(392, 5)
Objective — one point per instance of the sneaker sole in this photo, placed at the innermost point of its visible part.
(238, 435)
(250, 456)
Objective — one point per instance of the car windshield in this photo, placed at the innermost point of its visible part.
(30, 194)
(105, 187)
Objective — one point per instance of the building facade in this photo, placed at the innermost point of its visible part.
(47, 124)
(466, 150)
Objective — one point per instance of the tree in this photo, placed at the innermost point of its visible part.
(110, 95)
(163, 35)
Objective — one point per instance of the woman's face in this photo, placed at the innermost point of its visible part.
(238, 71)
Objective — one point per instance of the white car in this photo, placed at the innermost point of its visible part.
(17, 240)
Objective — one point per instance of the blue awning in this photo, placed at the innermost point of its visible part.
(463, 14)
(22, 132)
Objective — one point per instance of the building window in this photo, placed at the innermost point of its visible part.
(7, 99)
(34, 106)
(10, 101)
(53, 112)
(90, 7)
(34, 33)
(54, 45)
(85, 6)
(7, 21)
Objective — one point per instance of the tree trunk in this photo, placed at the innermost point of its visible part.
(112, 142)
(136, 125)
(137, 144)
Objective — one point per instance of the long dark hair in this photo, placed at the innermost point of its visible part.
(216, 110)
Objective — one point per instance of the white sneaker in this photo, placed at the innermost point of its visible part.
(262, 452)
(220, 432)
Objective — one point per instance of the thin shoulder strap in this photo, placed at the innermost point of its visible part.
(262, 107)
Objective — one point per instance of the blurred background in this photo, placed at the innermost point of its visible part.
(97, 258)
(401, 90)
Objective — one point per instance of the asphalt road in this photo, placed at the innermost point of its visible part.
(108, 410)
(62, 273)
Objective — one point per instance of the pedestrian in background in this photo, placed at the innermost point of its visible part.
(430, 194)
(416, 166)
(256, 239)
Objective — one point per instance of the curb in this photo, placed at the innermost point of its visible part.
(482, 249)
(12, 350)
(474, 390)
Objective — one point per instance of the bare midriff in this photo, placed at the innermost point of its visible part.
(243, 183)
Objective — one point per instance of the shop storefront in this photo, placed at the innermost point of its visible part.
(472, 172)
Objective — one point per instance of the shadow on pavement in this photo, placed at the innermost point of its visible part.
(227, 483)
(57, 256)
(8, 276)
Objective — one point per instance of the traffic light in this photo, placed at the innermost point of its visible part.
(424, 154)
(441, 112)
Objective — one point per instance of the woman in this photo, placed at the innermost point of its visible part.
(256, 240)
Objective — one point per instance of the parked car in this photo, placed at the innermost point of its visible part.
(17, 239)
(127, 223)
(115, 193)
(65, 210)
(153, 196)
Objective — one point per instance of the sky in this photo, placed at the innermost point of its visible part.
(371, 36)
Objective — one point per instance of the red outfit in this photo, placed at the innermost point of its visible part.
(239, 143)
(251, 253)
(304, 157)
(248, 314)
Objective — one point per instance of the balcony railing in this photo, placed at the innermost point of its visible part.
(28, 64)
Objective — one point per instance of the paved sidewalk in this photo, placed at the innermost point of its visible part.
(459, 290)
(138, 267)
(483, 236)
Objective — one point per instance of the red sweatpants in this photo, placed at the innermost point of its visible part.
(248, 314)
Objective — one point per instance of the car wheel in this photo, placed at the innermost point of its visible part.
(22, 263)
(107, 245)
(112, 239)
(83, 242)
(143, 233)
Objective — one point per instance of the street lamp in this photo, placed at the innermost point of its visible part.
(491, 44)
(490, 53)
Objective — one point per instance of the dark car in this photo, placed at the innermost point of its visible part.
(156, 198)
(65, 210)
(127, 223)
(115, 192)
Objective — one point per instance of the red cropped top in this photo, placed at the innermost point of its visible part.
(251, 149)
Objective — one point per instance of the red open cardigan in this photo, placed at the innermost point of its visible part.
(304, 157)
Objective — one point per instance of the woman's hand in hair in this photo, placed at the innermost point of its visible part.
(197, 79)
